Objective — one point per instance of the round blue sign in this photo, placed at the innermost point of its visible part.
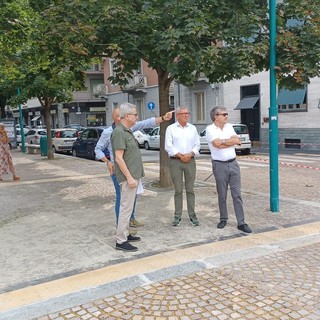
(151, 105)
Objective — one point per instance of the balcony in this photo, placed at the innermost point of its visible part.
(99, 91)
(203, 78)
(137, 83)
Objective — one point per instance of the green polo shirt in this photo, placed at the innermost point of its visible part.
(123, 139)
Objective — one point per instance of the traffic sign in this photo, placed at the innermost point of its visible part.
(151, 105)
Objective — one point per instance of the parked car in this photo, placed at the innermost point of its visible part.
(42, 126)
(33, 136)
(152, 140)
(243, 133)
(63, 139)
(76, 126)
(25, 126)
(140, 136)
(86, 142)
(18, 132)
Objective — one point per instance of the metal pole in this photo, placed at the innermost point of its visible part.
(23, 145)
(273, 114)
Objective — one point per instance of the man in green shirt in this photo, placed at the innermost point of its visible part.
(128, 170)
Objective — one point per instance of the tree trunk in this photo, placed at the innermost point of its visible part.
(2, 107)
(164, 84)
(47, 119)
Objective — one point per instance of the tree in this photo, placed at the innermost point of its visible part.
(14, 31)
(224, 39)
(42, 67)
(298, 42)
(178, 39)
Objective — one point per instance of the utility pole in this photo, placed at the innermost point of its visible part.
(23, 145)
(273, 114)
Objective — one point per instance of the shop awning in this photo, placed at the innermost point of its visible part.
(247, 103)
(291, 97)
(35, 118)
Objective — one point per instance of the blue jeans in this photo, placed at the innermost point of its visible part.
(118, 197)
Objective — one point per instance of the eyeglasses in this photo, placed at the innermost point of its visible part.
(225, 114)
(184, 113)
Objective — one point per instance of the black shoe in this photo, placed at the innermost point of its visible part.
(132, 238)
(126, 246)
(245, 228)
(222, 224)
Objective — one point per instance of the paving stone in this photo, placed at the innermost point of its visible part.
(280, 285)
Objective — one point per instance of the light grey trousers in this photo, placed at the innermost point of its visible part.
(128, 197)
(228, 174)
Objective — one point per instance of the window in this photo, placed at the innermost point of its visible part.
(112, 63)
(68, 134)
(97, 87)
(66, 117)
(84, 134)
(95, 67)
(171, 102)
(292, 107)
(92, 134)
(292, 101)
(249, 91)
(140, 108)
(154, 132)
(200, 112)
(292, 143)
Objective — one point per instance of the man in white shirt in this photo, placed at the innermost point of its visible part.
(222, 138)
(182, 143)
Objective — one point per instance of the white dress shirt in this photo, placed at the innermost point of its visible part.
(180, 139)
(213, 132)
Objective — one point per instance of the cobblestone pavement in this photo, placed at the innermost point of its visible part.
(281, 286)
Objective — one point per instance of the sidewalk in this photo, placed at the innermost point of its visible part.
(62, 216)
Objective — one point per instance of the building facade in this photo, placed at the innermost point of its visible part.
(87, 108)
(142, 90)
(248, 100)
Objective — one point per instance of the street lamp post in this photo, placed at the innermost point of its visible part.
(23, 145)
(273, 114)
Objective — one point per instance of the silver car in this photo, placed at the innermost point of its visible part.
(63, 139)
(243, 133)
(33, 136)
(18, 131)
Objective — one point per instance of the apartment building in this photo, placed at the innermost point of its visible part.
(248, 100)
(142, 90)
(87, 107)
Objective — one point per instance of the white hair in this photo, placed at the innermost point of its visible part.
(126, 108)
